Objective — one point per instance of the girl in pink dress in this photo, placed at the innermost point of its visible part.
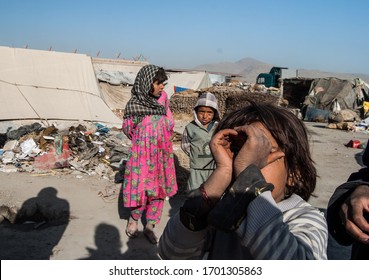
(150, 174)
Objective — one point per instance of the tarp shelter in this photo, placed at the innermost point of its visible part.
(350, 94)
(217, 78)
(117, 71)
(49, 85)
(190, 80)
(116, 77)
(116, 87)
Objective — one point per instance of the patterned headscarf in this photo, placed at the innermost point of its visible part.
(142, 103)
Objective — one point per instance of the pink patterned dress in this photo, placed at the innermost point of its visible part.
(150, 170)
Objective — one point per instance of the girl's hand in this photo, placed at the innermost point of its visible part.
(220, 179)
(257, 149)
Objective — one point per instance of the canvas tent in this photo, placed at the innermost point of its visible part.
(349, 94)
(116, 77)
(190, 80)
(49, 85)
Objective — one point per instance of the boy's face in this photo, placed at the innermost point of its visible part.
(205, 115)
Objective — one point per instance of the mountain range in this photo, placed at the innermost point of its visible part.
(249, 68)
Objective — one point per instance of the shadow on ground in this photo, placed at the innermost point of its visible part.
(34, 231)
(109, 246)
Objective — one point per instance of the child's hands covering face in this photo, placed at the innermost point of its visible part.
(220, 146)
(259, 149)
(242, 146)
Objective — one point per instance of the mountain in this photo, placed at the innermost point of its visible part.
(249, 68)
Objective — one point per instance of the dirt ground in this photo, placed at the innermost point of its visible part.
(91, 218)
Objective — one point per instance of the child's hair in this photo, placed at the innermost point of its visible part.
(291, 136)
(160, 76)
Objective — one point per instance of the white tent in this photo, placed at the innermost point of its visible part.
(190, 80)
(49, 85)
(113, 79)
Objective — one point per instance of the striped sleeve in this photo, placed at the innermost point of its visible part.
(179, 243)
(272, 232)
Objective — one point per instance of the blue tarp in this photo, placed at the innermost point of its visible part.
(179, 89)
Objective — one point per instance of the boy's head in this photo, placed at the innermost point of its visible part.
(291, 136)
(206, 108)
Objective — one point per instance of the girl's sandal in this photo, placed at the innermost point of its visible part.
(132, 229)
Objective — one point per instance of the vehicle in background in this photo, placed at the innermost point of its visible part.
(275, 76)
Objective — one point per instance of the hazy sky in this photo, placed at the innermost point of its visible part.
(327, 35)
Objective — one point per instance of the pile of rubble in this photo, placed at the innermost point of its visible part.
(90, 148)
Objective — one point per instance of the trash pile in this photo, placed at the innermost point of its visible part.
(348, 120)
(91, 149)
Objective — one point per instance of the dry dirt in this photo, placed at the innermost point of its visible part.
(92, 219)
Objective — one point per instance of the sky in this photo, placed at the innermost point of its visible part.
(325, 35)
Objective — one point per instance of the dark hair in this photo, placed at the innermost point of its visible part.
(160, 76)
(291, 136)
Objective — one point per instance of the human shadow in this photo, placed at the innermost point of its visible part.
(139, 248)
(109, 246)
(33, 232)
(123, 212)
(178, 199)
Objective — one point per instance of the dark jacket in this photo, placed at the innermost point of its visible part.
(360, 251)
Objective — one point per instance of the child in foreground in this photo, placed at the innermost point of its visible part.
(254, 205)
